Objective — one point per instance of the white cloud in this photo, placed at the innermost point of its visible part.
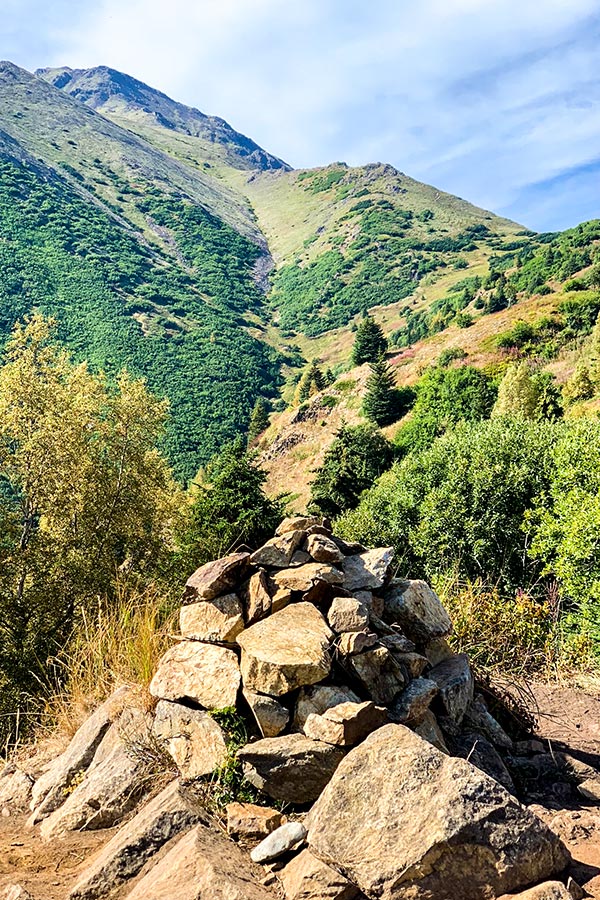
(482, 98)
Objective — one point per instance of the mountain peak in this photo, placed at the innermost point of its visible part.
(133, 103)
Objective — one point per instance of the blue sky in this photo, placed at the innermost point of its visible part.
(497, 101)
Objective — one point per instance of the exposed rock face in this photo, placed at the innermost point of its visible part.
(204, 673)
(271, 715)
(417, 609)
(346, 724)
(220, 619)
(216, 578)
(250, 821)
(290, 767)
(368, 571)
(307, 878)
(126, 853)
(286, 651)
(191, 737)
(202, 865)
(405, 822)
(284, 838)
(455, 686)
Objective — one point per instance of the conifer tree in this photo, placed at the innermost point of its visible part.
(370, 341)
(311, 383)
(380, 404)
(259, 420)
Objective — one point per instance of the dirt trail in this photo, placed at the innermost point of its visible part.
(569, 721)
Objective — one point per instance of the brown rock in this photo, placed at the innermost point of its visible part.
(318, 698)
(347, 614)
(304, 577)
(281, 598)
(290, 767)
(323, 549)
(192, 738)
(307, 878)
(215, 578)
(346, 724)
(212, 620)
(353, 642)
(298, 523)
(405, 822)
(417, 609)
(207, 674)
(379, 672)
(286, 651)
(369, 570)
(550, 890)
(250, 821)
(455, 682)
(256, 597)
(279, 550)
(271, 716)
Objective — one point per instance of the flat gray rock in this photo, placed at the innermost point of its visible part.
(368, 571)
(280, 841)
(417, 609)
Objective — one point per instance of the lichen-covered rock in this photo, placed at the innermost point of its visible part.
(307, 878)
(405, 822)
(271, 715)
(380, 673)
(252, 822)
(455, 686)
(191, 737)
(368, 571)
(417, 609)
(347, 614)
(220, 619)
(323, 549)
(318, 698)
(278, 552)
(285, 651)
(345, 724)
(215, 578)
(204, 673)
(291, 767)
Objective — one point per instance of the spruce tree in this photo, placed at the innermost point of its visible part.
(370, 342)
(311, 383)
(259, 420)
(380, 404)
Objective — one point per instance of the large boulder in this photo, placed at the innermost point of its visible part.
(417, 609)
(159, 820)
(406, 822)
(203, 864)
(286, 651)
(368, 571)
(191, 737)
(216, 578)
(204, 673)
(290, 767)
(220, 619)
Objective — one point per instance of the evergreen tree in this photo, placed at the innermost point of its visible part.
(594, 355)
(370, 342)
(259, 420)
(312, 382)
(381, 401)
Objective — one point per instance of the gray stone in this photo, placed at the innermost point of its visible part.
(318, 698)
(286, 651)
(271, 715)
(438, 651)
(481, 753)
(410, 706)
(220, 619)
(278, 552)
(202, 865)
(280, 841)
(380, 674)
(347, 614)
(159, 820)
(430, 731)
(307, 878)
(323, 549)
(290, 767)
(15, 788)
(204, 673)
(455, 682)
(345, 724)
(368, 571)
(417, 609)
(302, 578)
(373, 603)
(300, 558)
(215, 578)
(478, 717)
(413, 663)
(403, 821)
(298, 523)
(191, 737)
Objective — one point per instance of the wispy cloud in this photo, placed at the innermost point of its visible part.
(496, 101)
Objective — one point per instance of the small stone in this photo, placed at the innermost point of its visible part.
(191, 737)
(323, 549)
(523, 748)
(281, 598)
(417, 609)
(279, 550)
(250, 821)
(590, 789)
(380, 674)
(431, 732)
(304, 577)
(410, 706)
(291, 767)
(297, 523)
(346, 724)
(307, 878)
(455, 682)
(369, 570)
(285, 838)
(256, 597)
(215, 578)
(271, 716)
(347, 614)
(212, 620)
(300, 558)
(575, 891)
(204, 673)
(319, 697)
(353, 642)
(286, 651)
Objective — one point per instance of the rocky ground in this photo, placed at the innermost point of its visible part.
(377, 767)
